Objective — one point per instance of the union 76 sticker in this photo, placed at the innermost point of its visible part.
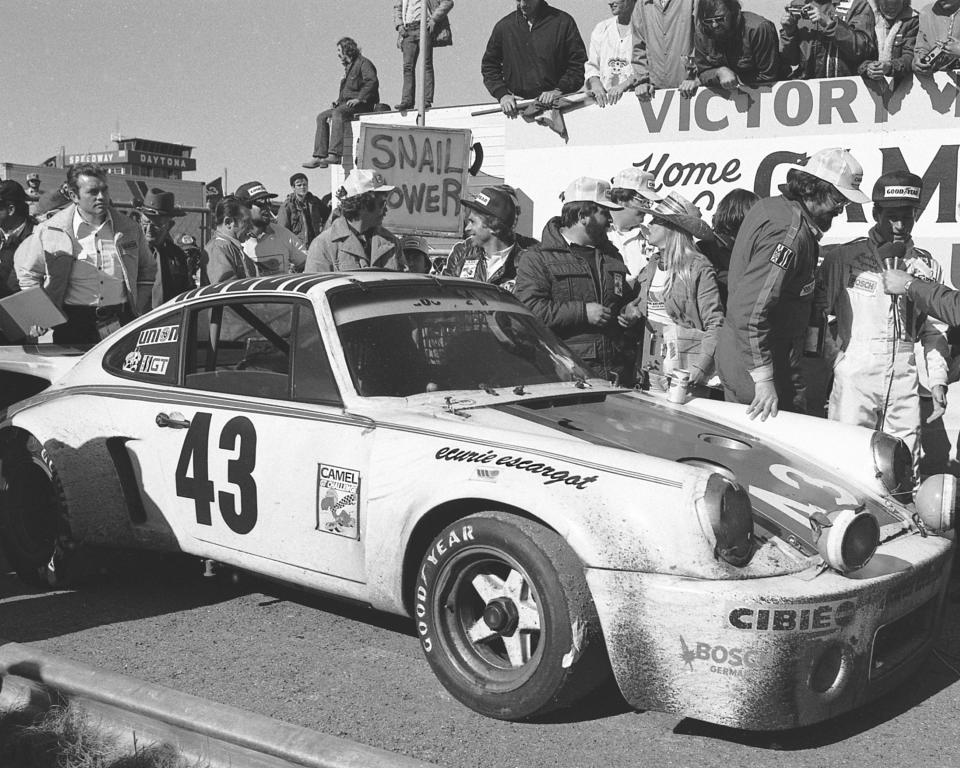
(338, 501)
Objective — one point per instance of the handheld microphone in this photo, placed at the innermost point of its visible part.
(892, 255)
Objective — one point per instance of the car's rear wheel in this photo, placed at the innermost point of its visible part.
(506, 619)
(32, 514)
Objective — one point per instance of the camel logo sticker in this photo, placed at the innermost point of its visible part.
(338, 501)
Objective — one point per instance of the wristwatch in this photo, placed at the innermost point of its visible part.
(906, 285)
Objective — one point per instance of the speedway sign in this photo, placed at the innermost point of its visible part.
(708, 145)
(428, 167)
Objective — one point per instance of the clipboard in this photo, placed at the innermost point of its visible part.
(22, 311)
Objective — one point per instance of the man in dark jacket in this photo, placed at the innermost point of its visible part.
(734, 46)
(490, 253)
(576, 282)
(303, 213)
(534, 52)
(359, 92)
(896, 31)
(157, 212)
(15, 227)
(772, 281)
(818, 40)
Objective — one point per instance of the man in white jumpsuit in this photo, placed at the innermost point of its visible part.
(876, 383)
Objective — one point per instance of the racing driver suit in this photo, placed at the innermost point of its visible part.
(876, 382)
(771, 283)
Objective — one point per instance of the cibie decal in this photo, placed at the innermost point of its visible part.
(163, 335)
(137, 362)
(719, 659)
(549, 473)
(338, 501)
(816, 618)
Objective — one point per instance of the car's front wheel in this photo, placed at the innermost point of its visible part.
(506, 619)
(31, 513)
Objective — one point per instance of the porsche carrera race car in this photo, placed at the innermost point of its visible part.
(426, 446)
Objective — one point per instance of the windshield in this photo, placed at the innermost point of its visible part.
(401, 340)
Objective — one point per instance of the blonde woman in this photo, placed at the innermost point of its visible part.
(679, 298)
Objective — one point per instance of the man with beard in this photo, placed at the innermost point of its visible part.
(358, 239)
(303, 213)
(609, 68)
(772, 280)
(490, 252)
(735, 47)
(156, 212)
(937, 24)
(875, 376)
(821, 39)
(896, 31)
(576, 282)
(359, 92)
(273, 249)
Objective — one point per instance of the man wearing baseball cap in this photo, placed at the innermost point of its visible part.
(357, 239)
(576, 282)
(490, 252)
(875, 377)
(275, 250)
(771, 283)
(636, 191)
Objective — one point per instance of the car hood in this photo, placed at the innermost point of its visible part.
(785, 487)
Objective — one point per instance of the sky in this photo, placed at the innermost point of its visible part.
(241, 81)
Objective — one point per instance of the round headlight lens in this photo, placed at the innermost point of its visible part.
(893, 462)
(731, 519)
(850, 540)
(936, 501)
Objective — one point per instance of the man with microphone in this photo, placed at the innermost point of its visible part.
(876, 382)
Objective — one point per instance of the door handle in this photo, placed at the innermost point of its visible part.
(174, 420)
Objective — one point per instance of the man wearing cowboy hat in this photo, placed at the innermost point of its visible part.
(490, 252)
(157, 211)
(772, 280)
(357, 239)
(15, 227)
(876, 383)
(636, 191)
(275, 250)
(576, 282)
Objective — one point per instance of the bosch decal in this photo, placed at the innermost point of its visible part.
(822, 619)
(338, 501)
(550, 474)
(721, 660)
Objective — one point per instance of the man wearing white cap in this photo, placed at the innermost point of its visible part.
(576, 283)
(876, 383)
(357, 239)
(636, 191)
(772, 281)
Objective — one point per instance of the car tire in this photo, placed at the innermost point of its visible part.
(506, 619)
(32, 515)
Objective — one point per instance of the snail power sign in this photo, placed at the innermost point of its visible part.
(428, 167)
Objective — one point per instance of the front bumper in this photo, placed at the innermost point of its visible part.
(773, 653)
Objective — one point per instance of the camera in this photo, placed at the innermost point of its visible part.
(937, 57)
(798, 11)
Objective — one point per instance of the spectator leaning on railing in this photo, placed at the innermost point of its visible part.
(535, 52)
(735, 47)
(663, 47)
(609, 69)
(938, 47)
(826, 39)
(896, 33)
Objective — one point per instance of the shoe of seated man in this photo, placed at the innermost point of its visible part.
(330, 159)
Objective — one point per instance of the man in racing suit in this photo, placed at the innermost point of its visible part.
(875, 374)
(772, 280)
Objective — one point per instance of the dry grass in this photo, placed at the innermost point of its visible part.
(63, 737)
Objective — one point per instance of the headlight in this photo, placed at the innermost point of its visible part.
(848, 540)
(729, 515)
(893, 462)
(936, 501)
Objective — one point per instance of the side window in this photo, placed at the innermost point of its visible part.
(150, 354)
(312, 376)
(241, 349)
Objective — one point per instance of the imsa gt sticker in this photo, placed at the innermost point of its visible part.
(338, 501)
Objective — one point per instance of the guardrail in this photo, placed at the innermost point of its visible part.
(200, 729)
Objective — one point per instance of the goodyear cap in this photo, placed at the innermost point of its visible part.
(897, 189)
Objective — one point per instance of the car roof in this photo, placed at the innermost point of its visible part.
(305, 284)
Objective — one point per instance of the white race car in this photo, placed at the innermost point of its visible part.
(427, 447)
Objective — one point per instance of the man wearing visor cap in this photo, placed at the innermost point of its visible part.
(771, 283)
(876, 381)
